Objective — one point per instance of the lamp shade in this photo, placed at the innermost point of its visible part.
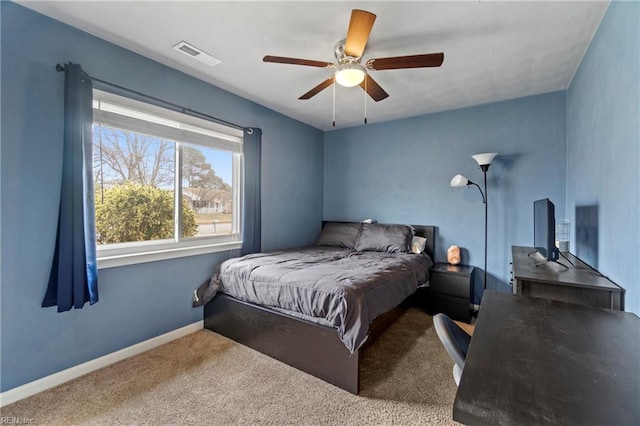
(459, 181)
(350, 74)
(484, 159)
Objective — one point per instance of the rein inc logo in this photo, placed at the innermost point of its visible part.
(6, 420)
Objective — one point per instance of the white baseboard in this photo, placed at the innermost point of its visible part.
(48, 382)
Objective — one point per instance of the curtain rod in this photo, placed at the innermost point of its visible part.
(180, 108)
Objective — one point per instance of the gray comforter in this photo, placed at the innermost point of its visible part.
(337, 287)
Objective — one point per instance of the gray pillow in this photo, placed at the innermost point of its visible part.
(387, 238)
(339, 234)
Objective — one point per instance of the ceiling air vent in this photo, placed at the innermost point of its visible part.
(196, 53)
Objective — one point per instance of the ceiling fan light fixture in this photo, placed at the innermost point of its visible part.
(350, 74)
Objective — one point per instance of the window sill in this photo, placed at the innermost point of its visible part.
(113, 261)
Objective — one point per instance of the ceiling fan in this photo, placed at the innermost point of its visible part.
(348, 71)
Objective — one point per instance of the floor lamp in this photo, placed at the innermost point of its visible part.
(458, 181)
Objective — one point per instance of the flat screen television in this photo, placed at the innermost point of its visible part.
(544, 229)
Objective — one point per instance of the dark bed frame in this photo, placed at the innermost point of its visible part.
(307, 346)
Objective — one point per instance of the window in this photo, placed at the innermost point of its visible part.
(167, 184)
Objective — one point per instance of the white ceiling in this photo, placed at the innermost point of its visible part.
(493, 50)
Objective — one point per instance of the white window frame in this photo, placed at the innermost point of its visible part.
(135, 116)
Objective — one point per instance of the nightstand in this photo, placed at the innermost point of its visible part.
(450, 290)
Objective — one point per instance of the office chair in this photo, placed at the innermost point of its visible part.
(455, 340)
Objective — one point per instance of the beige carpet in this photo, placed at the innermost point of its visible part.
(205, 378)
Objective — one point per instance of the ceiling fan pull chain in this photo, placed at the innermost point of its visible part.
(334, 103)
(365, 100)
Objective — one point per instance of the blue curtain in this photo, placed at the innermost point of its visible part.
(252, 228)
(73, 280)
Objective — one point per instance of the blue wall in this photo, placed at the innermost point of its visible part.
(400, 171)
(603, 139)
(136, 302)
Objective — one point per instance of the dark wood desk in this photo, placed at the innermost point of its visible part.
(576, 282)
(539, 361)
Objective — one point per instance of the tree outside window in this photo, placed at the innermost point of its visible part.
(135, 187)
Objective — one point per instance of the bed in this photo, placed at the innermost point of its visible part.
(316, 308)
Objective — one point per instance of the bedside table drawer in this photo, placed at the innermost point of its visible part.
(455, 307)
(450, 284)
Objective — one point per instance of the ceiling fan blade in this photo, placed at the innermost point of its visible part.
(319, 88)
(297, 61)
(374, 90)
(413, 61)
(359, 30)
